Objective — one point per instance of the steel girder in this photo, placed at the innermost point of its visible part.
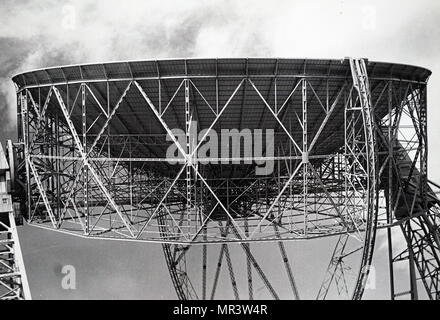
(13, 278)
(79, 154)
(411, 203)
(81, 172)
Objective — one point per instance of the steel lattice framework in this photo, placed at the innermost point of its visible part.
(13, 279)
(349, 157)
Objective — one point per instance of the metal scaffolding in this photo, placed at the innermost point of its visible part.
(349, 158)
(13, 279)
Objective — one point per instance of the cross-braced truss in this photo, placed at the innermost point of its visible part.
(13, 279)
(96, 162)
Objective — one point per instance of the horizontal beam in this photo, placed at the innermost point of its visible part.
(103, 80)
(182, 160)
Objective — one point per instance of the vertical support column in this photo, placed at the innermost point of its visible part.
(349, 104)
(85, 168)
(216, 89)
(423, 105)
(25, 139)
(248, 262)
(389, 191)
(110, 163)
(305, 154)
(411, 261)
(130, 174)
(57, 163)
(390, 247)
(205, 263)
(188, 152)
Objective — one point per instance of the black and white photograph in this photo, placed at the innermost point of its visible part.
(219, 150)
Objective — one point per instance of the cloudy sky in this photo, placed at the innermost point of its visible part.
(44, 33)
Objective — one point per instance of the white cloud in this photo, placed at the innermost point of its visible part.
(86, 30)
(80, 31)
